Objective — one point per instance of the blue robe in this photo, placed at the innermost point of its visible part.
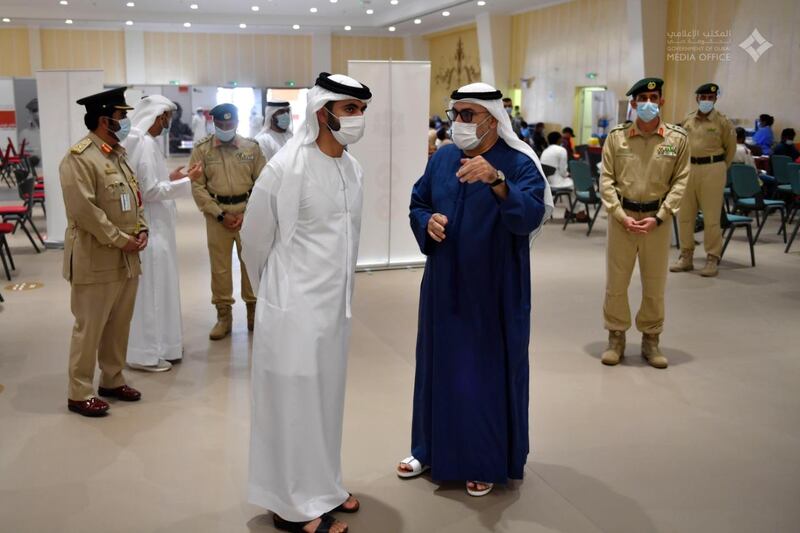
(470, 417)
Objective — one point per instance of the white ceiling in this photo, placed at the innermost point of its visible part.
(274, 16)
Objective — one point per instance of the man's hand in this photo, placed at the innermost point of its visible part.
(195, 171)
(233, 222)
(176, 174)
(476, 169)
(132, 246)
(436, 226)
(142, 239)
(642, 227)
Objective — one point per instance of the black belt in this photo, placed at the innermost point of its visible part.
(640, 207)
(708, 159)
(230, 200)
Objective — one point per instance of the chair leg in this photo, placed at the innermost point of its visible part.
(569, 213)
(794, 234)
(30, 237)
(8, 252)
(5, 264)
(594, 217)
(783, 223)
(35, 229)
(750, 242)
(760, 225)
(729, 232)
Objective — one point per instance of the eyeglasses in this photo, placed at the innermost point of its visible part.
(466, 114)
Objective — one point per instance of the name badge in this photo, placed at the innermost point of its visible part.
(125, 201)
(241, 156)
(667, 150)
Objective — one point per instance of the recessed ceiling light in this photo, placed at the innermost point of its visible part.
(68, 21)
(313, 10)
(129, 23)
(394, 2)
(296, 27)
(255, 8)
(194, 6)
(187, 24)
(370, 11)
(481, 3)
(6, 19)
(392, 28)
(131, 4)
(334, 1)
(445, 13)
(243, 25)
(417, 21)
(348, 28)
(64, 3)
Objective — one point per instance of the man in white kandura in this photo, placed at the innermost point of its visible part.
(199, 128)
(277, 128)
(300, 241)
(156, 340)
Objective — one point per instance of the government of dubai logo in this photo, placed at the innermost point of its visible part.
(755, 45)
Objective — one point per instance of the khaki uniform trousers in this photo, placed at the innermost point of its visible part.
(103, 313)
(705, 191)
(220, 246)
(623, 249)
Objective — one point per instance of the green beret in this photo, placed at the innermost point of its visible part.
(645, 85)
(104, 101)
(708, 88)
(224, 112)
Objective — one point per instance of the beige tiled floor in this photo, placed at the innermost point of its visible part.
(710, 445)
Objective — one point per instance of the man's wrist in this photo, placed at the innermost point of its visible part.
(221, 217)
(500, 178)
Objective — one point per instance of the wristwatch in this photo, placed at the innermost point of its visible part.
(501, 178)
(221, 217)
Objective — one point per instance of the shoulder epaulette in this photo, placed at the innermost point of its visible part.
(676, 128)
(624, 126)
(204, 139)
(81, 146)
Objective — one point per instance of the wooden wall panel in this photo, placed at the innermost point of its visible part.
(455, 61)
(15, 52)
(345, 48)
(85, 49)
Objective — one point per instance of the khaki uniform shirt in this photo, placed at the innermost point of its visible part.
(710, 135)
(229, 169)
(645, 168)
(103, 207)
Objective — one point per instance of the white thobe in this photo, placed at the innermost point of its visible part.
(271, 142)
(156, 326)
(556, 156)
(198, 128)
(301, 234)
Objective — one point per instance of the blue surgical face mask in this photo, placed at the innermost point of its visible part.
(283, 121)
(225, 136)
(705, 106)
(124, 129)
(508, 110)
(647, 111)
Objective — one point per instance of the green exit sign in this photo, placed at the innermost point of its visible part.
(290, 83)
(591, 75)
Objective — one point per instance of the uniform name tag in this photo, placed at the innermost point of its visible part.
(667, 150)
(245, 157)
(125, 201)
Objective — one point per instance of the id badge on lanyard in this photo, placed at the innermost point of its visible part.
(125, 202)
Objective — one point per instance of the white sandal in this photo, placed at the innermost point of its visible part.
(417, 468)
(478, 493)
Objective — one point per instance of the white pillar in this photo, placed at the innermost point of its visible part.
(321, 54)
(134, 57)
(494, 43)
(647, 34)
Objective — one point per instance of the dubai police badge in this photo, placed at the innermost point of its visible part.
(651, 85)
(667, 150)
(713, 88)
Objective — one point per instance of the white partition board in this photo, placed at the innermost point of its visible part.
(62, 126)
(373, 151)
(393, 153)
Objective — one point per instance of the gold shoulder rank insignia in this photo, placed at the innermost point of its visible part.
(81, 146)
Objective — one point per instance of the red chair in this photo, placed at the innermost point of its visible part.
(5, 250)
(21, 215)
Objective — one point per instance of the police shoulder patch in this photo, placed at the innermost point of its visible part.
(81, 146)
(204, 139)
(621, 127)
(676, 128)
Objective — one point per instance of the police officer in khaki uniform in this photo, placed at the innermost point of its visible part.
(231, 165)
(645, 170)
(106, 231)
(713, 145)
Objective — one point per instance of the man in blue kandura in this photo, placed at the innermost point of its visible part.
(474, 212)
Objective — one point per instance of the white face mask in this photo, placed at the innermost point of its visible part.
(350, 131)
(465, 134)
